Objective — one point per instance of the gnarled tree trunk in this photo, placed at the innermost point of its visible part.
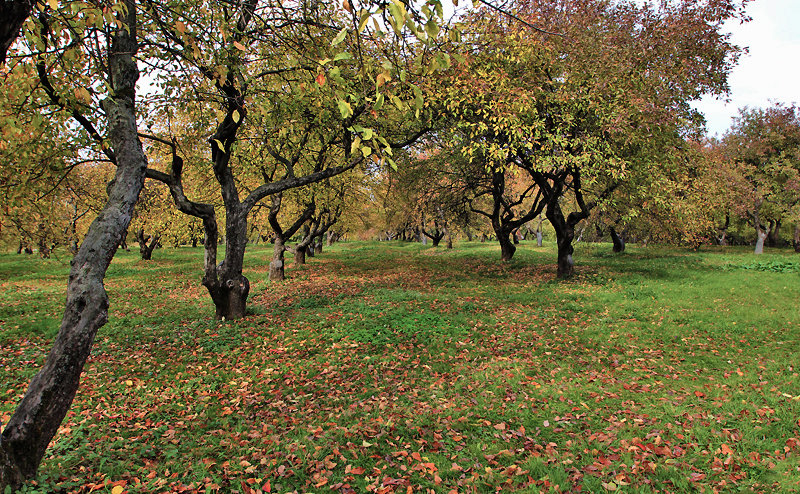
(147, 244)
(35, 421)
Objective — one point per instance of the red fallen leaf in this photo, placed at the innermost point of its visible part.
(501, 426)
(726, 450)
(266, 487)
(416, 456)
(696, 477)
(358, 470)
(699, 394)
(436, 479)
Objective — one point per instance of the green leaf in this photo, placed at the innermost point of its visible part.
(343, 56)
(339, 37)
(432, 28)
(378, 102)
(344, 108)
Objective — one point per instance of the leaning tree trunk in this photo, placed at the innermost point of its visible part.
(276, 267)
(35, 421)
(619, 243)
(318, 245)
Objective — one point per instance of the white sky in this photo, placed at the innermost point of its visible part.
(770, 72)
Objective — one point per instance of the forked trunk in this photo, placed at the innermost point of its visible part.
(146, 245)
(774, 235)
(230, 289)
(25, 438)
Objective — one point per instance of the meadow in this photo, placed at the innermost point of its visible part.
(394, 367)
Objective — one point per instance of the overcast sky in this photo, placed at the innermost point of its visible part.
(770, 72)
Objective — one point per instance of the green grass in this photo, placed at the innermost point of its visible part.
(382, 366)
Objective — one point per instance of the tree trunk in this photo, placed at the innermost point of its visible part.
(44, 249)
(774, 235)
(300, 255)
(539, 238)
(565, 233)
(619, 243)
(507, 248)
(797, 238)
(34, 424)
(330, 238)
(762, 235)
(146, 244)
(13, 13)
(515, 237)
(318, 247)
(230, 289)
(276, 267)
(449, 240)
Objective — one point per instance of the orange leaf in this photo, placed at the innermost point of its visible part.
(321, 79)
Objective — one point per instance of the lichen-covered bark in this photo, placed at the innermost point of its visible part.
(35, 421)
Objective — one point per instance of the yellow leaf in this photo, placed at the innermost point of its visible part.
(117, 489)
(236, 116)
(53, 4)
(180, 26)
(129, 382)
(239, 46)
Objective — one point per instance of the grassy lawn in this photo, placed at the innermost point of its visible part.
(395, 367)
